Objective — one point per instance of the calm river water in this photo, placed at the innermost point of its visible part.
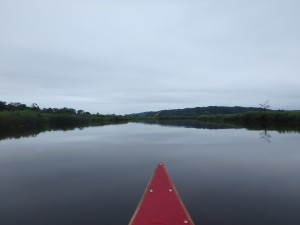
(97, 175)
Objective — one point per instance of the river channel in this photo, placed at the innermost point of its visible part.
(97, 175)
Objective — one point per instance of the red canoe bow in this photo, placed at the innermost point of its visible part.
(161, 203)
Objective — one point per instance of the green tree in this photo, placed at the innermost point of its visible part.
(2, 106)
(34, 107)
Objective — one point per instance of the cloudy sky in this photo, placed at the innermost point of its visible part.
(125, 56)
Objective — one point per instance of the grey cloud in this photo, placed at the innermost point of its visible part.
(124, 56)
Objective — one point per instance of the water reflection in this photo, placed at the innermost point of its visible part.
(20, 132)
(265, 135)
(189, 124)
(97, 175)
(203, 125)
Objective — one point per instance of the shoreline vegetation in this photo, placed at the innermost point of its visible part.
(18, 120)
(222, 117)
(28, 118)
(270, 120)
(281, 121)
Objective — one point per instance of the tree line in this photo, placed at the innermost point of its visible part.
(197, 111)
(16, 115)
(17, 106)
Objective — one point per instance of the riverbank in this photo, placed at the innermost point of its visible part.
(29, 118)
(265, 120)
(268, 119)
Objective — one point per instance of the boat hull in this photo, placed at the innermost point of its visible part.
(161, 203)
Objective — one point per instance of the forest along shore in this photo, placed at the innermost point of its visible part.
(20, 117)
(237, 116)
(17, 115)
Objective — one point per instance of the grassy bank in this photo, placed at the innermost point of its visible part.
(24, 123)
(264, 120)
(29, 118)
(273, 120)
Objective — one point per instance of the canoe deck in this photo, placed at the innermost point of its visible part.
(161, 203)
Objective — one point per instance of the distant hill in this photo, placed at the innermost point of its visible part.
(210, 110)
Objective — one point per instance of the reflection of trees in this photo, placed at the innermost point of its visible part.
(264, 135)
(188, 124)
(195, 123)
(33, 131)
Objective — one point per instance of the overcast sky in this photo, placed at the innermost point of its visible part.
(118, 56)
